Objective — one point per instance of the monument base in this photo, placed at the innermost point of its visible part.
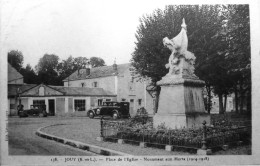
(181, 103)
(177, 121)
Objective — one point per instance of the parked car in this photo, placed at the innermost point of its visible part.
(35, 110)
(114, 109)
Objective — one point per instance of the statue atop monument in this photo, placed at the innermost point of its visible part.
(181, 62)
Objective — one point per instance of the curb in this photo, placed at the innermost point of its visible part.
(80, 145)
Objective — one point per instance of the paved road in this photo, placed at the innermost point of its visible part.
(23, 141)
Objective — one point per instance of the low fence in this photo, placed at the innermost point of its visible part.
(201, 138)
(229, 136)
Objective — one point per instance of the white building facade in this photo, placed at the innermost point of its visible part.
(116, 79)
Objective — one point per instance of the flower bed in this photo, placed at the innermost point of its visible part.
(140, 129)
(187, 138)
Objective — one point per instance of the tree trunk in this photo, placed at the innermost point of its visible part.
(249, 102)
(225, 103)
(236, 99)
(208, 98)
(241, 103)
(220, 99)
(157, 99)
(241, 97)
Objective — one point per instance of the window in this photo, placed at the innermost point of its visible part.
(82, 84)
(41, 91)
(115, 104)
(131, 86)
(230, 104)
(100, 101)
(108, 99)
(80, 105)
(131, 100)
(38, 102)
(95, 84)
(139, 102)
(123, 99)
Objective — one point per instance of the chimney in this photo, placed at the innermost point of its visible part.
(87, 69)
(115, 65)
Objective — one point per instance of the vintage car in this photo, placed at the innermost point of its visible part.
(110, 108)
(35, 110)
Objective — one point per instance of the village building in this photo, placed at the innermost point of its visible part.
(118, 80)
(58, 99)
(215, 104)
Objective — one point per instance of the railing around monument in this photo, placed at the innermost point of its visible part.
(114, 130)
(229, 136)
(214, 136)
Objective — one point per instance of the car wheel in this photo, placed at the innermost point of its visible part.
(91, 115)
(21, 115)
(45, 114)
(41, 114)
(115, 115)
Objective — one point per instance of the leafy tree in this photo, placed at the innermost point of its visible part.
(150, 55)
(47, 69)
(29, 75)
(15, 58)
(218, 36)
(237, 32)
(70, 65)
(66, 67)
(80, 62)
(96, 62)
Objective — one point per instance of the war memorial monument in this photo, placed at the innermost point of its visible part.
(181, 100)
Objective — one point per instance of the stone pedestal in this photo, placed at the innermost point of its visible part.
(181, 103)
(120, 141)
(100, 139)
(143, 144)
(168, 148)
(204, 152)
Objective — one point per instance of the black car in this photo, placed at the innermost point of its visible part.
(35, 110)
(114, 109)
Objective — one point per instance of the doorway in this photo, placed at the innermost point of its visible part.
(51, 107)
(131, 107)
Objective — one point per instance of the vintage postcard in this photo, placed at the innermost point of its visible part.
(129, 82)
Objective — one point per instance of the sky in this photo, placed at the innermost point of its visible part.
(85, 28)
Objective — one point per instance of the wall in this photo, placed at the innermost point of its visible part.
(60, 105)
(13, 107)
(24, 102)
(107, 83)
(70, 110)
(215, 105)
(133, 90)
